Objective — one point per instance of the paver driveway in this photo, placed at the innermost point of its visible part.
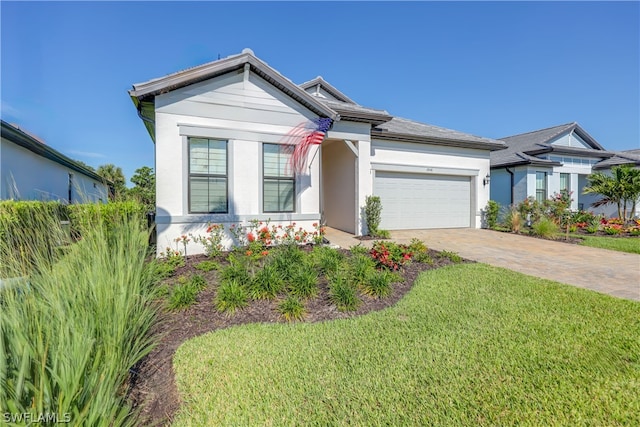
(601, 270)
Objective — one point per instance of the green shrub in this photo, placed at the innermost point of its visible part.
(372, 213)
(267, 283)
(381, 234)
(292, 309)
(328, 260)
(420, 251)
(378, 284)
(231, 297)
(69, 340)
(198, 282)
(545, 227)
(361, 267)
(452, 256)
(162, 270)
(182, 296)
(286, 259)
(492, 210)
(591, 229)
(236, 270)
(207, 266)
(304, 282)
(359, 249)
(85, 216)
(343, 294)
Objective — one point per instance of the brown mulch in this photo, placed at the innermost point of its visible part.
(152, 386)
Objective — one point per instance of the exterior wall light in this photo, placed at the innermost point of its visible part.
(486, 180)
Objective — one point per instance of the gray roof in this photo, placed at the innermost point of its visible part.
(523, 148)
(20, 137)
(332, 90)
(627, 157)
(408, 130)
(357, 113)
(143, 93)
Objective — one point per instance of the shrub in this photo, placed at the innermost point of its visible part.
(452, 256)
(162, 270)
(286, 259)
(69, 339)
(361, 268)
(207, 266)
(372, 213)
(172, 257)
(328, 260)
(236, 270)
(304, 282)
(390, 255)
(267, 283)
(231, 297)
(292, 309)
(492, 210)
(182, 296)
(358, 249)
(212, 242)
(198, 282)
(85, 216)
(514, 220)
(545, 227)
(591, 229)
(343, 294)
(378, 284)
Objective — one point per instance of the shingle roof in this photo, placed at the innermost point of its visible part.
(399, 128)
(620, 158)
(356, 112)
(522, 148)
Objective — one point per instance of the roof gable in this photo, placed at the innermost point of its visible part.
(146, 91)
(321, 88)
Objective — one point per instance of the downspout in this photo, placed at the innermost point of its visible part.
(144, 118)
(512, 184)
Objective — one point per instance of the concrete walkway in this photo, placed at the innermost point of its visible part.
(609, 272)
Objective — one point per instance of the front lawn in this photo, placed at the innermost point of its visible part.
(468, 345)
(622, 244)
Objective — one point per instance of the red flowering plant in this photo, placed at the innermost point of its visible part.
(390, 256)
(184, 239)
(212, 242)
(318, 235)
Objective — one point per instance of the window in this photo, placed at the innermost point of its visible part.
(541, 186)
(565, 182)
(207, 176)
(278, 179)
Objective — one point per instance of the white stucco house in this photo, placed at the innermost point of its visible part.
(543, 162)
(221, 130)
(31, 170)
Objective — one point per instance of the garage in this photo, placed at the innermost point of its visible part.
(412, 200)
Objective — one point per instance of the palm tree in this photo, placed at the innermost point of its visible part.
(113, 175)
(622, 188)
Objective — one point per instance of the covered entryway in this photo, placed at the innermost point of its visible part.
(413, 200)
(339, 186)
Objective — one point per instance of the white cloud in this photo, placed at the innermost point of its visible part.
(89, 154)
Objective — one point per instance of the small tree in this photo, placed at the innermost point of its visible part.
(372, 214)
(620, 188)
(144, 190)
(114, 175)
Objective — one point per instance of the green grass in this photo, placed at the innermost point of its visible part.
(621, 244)
(469, 345)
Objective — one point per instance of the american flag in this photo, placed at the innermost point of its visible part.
(302, 137)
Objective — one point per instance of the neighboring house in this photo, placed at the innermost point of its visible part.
(543, 162)
(31, 170)
(220, 133)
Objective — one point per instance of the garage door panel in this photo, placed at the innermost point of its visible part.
(423, 201)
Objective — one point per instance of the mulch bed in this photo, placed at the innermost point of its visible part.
(152, 387)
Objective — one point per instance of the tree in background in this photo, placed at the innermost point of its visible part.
(114, 174)
(144, 191)
(621, 188)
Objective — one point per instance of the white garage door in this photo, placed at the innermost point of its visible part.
(423, 201)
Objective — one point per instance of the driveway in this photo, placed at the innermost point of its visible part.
(609, 272)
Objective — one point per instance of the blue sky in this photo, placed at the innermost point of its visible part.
(490, 69)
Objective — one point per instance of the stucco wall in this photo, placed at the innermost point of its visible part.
(438, 158)
(246, 111)
(339, 185)
(28, 176)
(501, 187)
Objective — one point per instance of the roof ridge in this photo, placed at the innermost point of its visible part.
(541, 130)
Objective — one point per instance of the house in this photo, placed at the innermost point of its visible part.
(223, 133)
(31, 170)
(543, 162)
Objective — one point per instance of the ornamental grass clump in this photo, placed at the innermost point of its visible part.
(75, 325)
(545, 227)
(343, 293)
(304, 282)
(292, 309)
(231, 296)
